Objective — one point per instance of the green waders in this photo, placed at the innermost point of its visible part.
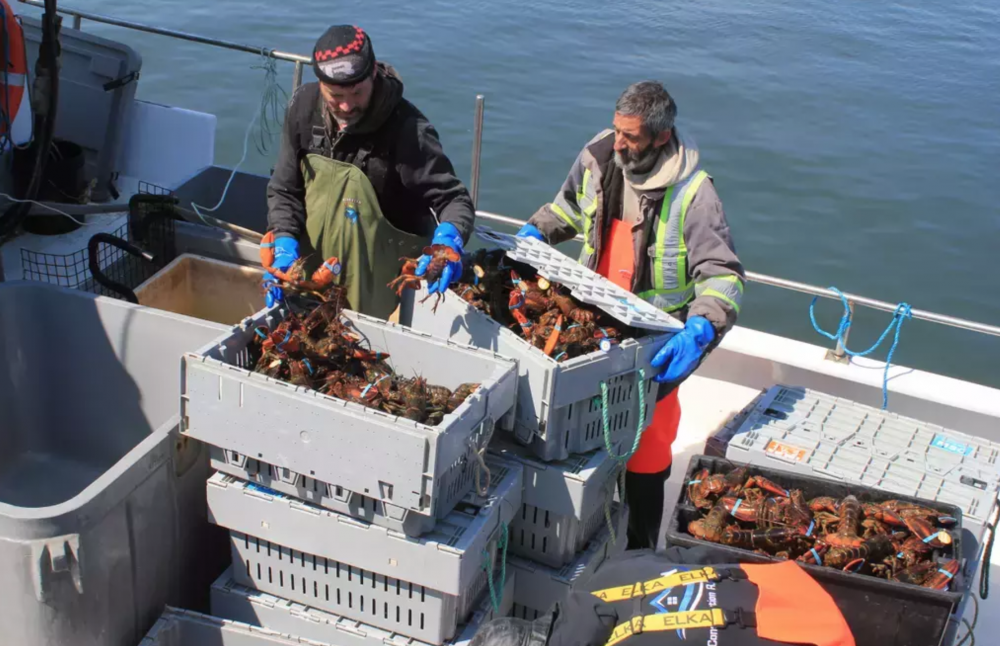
(343, 219)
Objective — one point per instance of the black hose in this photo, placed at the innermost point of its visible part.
(95, 267)
(47, 66)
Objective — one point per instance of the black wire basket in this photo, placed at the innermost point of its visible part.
(115, 263)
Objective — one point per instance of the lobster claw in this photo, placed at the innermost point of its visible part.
(267, 250)
(326, 273)
(931, 535)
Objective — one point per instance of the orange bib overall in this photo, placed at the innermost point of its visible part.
(617, 263)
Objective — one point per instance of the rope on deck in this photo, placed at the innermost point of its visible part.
(903, 311)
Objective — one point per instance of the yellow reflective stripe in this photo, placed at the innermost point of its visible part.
(642, 588)
(689, 194)
(661, 239)
(565, 216)
(581, 194)
(666, 621)
(732, 284)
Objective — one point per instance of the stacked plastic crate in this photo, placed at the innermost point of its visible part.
(349, 525)
(571, 417)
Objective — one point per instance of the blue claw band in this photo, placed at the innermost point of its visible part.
(819, 559)
(812, 525)
(309, 366)
(694, 482)
(932, 537)
(260, 334)
(288, 335)
(946, 573)
(560, 355)
(739, 501)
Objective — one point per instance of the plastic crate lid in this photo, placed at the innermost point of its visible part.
(811, 431)
(587, 286)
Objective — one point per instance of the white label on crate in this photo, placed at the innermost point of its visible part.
(785, 451)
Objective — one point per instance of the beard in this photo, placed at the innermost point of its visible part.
(640, 162)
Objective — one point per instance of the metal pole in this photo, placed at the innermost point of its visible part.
(477, 147)
(77, 22)
(194, 38)
(297, 76)
(840, 354)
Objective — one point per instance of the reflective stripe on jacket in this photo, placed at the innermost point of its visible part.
(685, 261)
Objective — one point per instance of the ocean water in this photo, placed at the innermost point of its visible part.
(854, 144)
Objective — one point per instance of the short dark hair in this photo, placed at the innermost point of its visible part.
(649, 100)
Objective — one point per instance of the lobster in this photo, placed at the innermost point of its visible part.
(294, 276)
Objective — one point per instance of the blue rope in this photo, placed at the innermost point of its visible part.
(903, 311)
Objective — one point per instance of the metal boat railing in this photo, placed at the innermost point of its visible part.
(299, 61)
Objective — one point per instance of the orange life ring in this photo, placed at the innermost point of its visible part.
(13, 79)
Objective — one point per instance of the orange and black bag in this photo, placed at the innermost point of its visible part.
(642, 599)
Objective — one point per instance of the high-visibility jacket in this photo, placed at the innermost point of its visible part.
(684, 261)
(642, 599)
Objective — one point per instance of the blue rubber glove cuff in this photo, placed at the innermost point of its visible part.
(286, 252)
(445, 234)
(530, 231)
(680, 355)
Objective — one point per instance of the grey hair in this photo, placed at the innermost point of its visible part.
(649, 100)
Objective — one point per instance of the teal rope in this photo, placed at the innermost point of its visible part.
(903, 311)
(640, 423)
(497, 597)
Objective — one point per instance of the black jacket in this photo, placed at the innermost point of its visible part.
(394, 144)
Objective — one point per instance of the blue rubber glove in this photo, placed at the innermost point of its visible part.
(286, 251)
(680, 355)
(448, 235)
(530, 231)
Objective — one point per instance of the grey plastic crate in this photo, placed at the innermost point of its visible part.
(177, 627)
(585, 284)
(341, 500)
(407, 466)
(98, 491)
(563, 502)
(809, 432)
(422, 588)
(537, 587)
(552, 539)
(233, 601)
(559, 405)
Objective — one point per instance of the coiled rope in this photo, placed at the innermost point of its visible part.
(903, 311)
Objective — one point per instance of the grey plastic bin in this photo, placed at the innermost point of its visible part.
(559, 405)
(538, 587)
(233, 601)
(100, 497)
(422, 588)
(407, 466)
(563, 504)
(99, 79)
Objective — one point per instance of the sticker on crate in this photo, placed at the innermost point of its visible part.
(813, 433)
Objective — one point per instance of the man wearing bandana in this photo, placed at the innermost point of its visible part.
(361, 176)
